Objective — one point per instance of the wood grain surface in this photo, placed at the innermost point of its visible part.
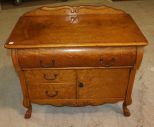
(75, 29)
(77, 57)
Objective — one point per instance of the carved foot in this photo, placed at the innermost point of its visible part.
(28, 113)
(126, 110)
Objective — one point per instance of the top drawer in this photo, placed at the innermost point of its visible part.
(77, 57)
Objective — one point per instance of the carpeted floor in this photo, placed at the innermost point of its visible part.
(110, 115)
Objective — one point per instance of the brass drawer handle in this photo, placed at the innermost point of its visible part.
(43, 65)
(107, 65)
(47, 78)
(51, 95)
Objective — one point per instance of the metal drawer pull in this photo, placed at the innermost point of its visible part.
(47, 78)
(51, 95)
(107, 65)
(52, 63)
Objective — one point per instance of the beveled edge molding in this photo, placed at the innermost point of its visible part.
(73, 10)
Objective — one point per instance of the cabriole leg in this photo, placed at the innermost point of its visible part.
(28, 112)
(126, 110)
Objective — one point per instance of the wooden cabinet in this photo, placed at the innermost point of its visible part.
(76, 56)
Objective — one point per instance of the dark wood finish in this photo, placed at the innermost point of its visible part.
(76, 56)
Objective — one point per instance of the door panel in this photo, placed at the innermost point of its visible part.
(102, 83)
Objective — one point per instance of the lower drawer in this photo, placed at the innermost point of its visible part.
(52, 91)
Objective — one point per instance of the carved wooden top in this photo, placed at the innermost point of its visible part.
(75, 26)
(71, 10)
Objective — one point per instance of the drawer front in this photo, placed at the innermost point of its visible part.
(52, 91)
(77, 57)
(50, 76)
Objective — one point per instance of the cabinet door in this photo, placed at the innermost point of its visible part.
(102, 83)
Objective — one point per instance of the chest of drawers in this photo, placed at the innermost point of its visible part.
(76, 56)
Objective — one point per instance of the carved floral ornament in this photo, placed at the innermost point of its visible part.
(72, 13)
(72, 16)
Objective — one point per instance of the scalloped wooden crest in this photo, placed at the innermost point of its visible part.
(73, 10)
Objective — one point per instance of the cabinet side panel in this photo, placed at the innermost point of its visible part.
(139, 56)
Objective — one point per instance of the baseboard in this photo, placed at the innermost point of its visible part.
(123, 0)
(0, 6)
